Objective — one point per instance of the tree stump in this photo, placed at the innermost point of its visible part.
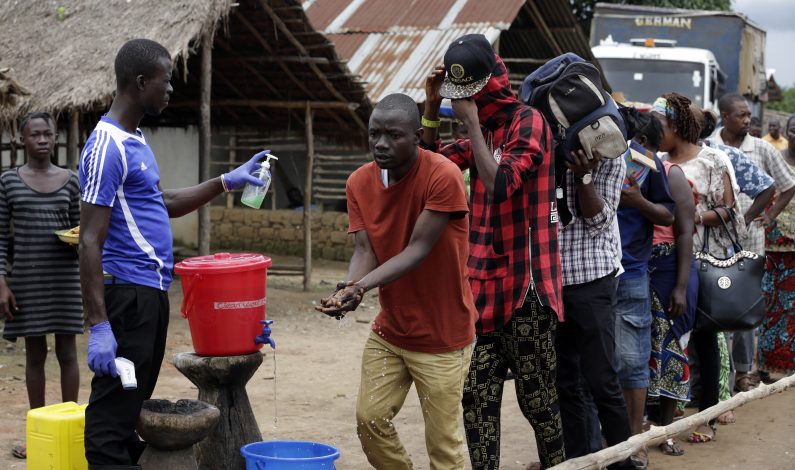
(222, 382)
(171, 429)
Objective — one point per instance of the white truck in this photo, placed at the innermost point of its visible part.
(645, 69)
(645, 52)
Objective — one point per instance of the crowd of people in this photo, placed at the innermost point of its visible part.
(579, 284)
(584, 287)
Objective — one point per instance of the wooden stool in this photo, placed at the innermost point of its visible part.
(171, 429)
(222, 382)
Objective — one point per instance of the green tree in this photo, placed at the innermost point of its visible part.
(787, 103)
(583, 9)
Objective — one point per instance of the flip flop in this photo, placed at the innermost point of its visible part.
(20, 451)
(671, 447)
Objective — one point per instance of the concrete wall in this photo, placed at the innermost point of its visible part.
(177, 153)
(281, 232)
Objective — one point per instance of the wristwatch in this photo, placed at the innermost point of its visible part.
(586, 178)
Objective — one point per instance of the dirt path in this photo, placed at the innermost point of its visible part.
(317, 382)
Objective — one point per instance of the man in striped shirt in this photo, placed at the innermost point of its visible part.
(125, 250)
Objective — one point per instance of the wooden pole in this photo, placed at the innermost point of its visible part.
(274, 184)
(73, 140)
(12, 156)
(230, 197)
(205, 137)
(541, 24)
(310, 160)
(285, 30)
(659, 434)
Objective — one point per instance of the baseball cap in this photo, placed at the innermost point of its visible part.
(468, 64)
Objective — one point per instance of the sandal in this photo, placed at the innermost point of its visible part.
(744, 383)
(727, 418)
(701, 438)
(640, 460)
(20, 451)
(764, 377)
(671, 447)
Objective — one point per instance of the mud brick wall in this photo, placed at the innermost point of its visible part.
(280, 232)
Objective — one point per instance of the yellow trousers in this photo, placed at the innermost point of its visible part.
(387, 374)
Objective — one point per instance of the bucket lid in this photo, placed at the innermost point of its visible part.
(223, 263)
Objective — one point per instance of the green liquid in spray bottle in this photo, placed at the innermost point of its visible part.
(254, 195)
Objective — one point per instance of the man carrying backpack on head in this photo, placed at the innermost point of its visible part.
(514, 265)
(590, 138)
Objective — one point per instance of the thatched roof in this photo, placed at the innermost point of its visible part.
(66, 59)
(63, 52)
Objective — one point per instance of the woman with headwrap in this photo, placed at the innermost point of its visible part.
(714, 192)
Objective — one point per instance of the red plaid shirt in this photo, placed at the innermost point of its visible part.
(513, 238)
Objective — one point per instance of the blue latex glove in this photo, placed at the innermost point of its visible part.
(265, 337)
(102, 350)
(243, 174)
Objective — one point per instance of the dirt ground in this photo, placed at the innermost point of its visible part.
(314, 392)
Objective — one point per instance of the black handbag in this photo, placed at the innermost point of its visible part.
(730, 294)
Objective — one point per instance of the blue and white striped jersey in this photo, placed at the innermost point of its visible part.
(118, 170)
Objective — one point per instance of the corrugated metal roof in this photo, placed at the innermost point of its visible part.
(381, 16)
(400, 61)
(495, 11)
(394, 44)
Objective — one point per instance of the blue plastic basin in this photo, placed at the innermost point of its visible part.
(289, 455)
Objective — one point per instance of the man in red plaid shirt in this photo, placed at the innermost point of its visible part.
(514, 263)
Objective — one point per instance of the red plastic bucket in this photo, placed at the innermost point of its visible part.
(223, 298)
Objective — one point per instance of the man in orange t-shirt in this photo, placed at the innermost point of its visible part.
(408, 213)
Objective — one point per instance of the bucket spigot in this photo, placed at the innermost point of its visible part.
(265, 337)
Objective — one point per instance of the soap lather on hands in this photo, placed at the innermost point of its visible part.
(347, 297)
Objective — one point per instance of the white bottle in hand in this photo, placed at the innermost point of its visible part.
(254, 195)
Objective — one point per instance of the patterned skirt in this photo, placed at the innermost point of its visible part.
(777, 332)
(724, 374)
(670, 371)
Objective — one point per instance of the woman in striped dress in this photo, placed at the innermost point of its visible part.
(41, 293)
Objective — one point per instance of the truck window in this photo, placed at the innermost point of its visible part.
(644, 80)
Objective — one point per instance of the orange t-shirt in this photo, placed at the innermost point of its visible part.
(430, 309)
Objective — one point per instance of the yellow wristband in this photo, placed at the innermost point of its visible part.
(430, 123)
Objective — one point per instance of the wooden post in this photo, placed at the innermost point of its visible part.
(221, 381)
(273, 194)
(205, 138)
(72, 140)
(310, 160)
(12, 155)
(230, 198)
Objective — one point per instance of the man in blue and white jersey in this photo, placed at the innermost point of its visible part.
(126, 250)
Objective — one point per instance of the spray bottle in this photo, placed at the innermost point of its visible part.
(254, 195)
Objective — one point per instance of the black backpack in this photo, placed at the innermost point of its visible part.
(568, 91)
